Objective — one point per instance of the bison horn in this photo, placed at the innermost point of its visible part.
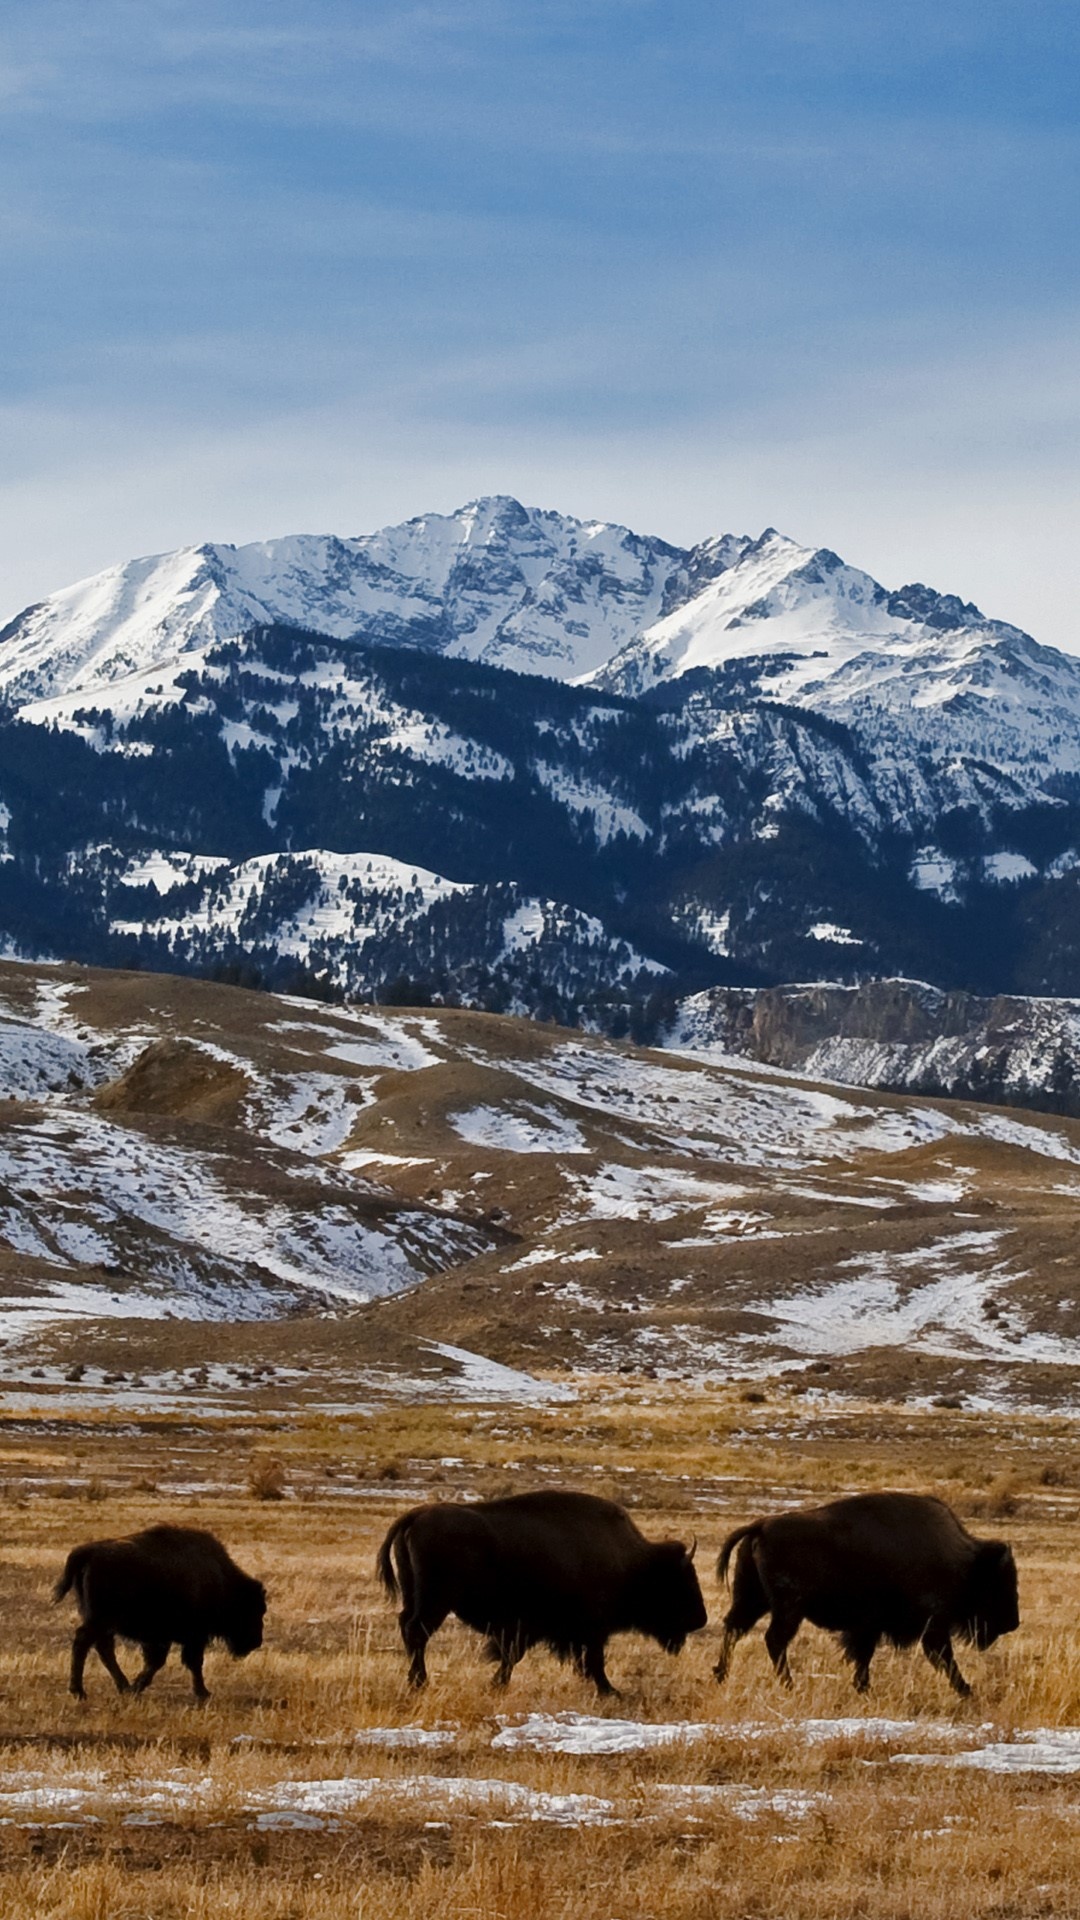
(692, 1549)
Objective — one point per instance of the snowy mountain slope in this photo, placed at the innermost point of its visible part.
(226, 812)
(355, 920)
(783, 769)
(799, 612)
(517, 587)
(912, 672)
(544, 1197)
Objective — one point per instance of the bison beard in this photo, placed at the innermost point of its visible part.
(880, 1566)
(166, 1586)
(563, 1570)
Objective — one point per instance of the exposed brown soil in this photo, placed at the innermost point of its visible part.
(177, 1079)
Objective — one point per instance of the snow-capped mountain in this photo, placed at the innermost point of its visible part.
(745, 761)
(912, 670)
(496, 581)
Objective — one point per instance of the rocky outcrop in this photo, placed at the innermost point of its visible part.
(899, 1034)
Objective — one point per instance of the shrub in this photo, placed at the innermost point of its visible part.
(266, 1477)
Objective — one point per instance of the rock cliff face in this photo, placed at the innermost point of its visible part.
(899, 1034)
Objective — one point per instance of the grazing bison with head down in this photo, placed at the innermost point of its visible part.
(564, 1570)
(881, 1566)
(167, 1585)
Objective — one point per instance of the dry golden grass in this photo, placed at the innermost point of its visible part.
(803, 1830)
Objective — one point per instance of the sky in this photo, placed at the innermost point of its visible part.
(691, 265)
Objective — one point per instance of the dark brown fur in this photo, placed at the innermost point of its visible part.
(166, 1586)
(879, 1566)
(565, 1570)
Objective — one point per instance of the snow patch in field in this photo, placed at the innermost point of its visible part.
(936, 1192)
(309, 1113)
(433, 1738)
(750, 1117)
(1014, 1133)
(484, 1379)
(590, 1733)
(523, 1128)
(931, 1298)
(1040, 1750)
(616, 1192)
(362, 1157)
(35, 1062)
(388, 1045)
(305, 1803)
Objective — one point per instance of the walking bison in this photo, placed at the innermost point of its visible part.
(879, 1566)
(563, 1570)
(166, 1586)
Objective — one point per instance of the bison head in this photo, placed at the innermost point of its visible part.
(670, 1602)
(242, 1630)
(992, 1603)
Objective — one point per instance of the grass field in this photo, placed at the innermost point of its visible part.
(315, 1785)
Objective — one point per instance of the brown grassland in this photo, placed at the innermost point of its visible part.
(808, 1830)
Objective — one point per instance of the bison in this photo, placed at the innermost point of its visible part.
(879, 1566)
(563, 1570)
(164, 1586)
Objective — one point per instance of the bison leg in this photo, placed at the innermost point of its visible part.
(779, 1634)
(507, 1648)
(105, 1646)
(938, 1649)
(81, 1644)
(192, 1658)
(594, 1669)
(860, 1645)
(154, 1653)
(749, 1604)
(508, 1659)
(416, 1632)
(732, 1636)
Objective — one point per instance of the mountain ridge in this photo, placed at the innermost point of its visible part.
(821, 776)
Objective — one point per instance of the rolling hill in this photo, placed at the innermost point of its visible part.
(200, 1183)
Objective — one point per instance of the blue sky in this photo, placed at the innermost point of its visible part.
(696, 267)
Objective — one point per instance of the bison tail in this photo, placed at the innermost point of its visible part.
(384, 1562)
(70, 1575)
(750, 1532)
